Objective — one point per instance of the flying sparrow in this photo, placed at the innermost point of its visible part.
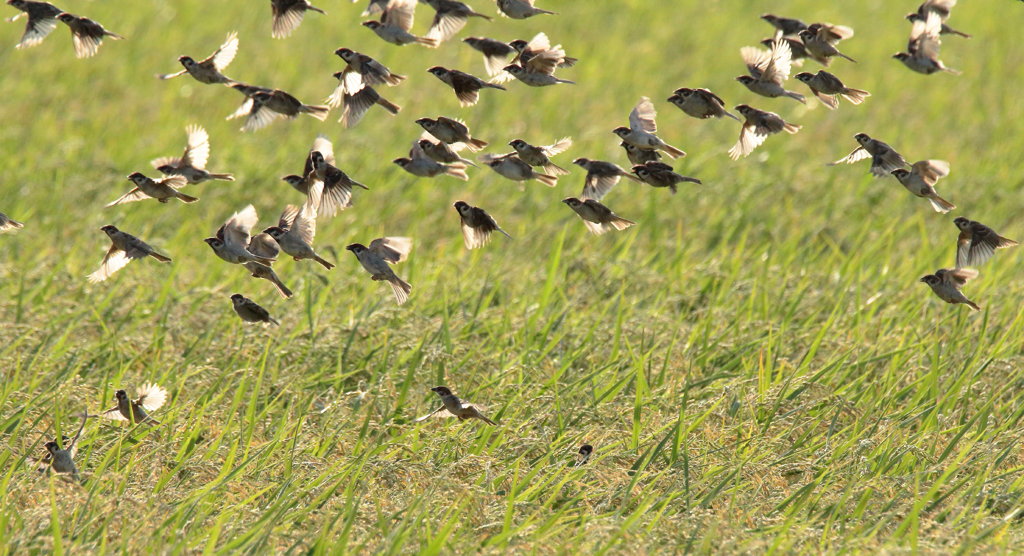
(250, 311)
(209, 70)
(442, 152)
(356, 105)
(513, 168)
(163, 190)
(922, 53)
(920, 180)
(192, 163)
(944, 30)
(658, 174)
(828, 87)
(883, 158)
(288, 16)
(785, 25)
(124, 248)
(449, 18)
(455, 407)
(757, 127)
(42, 20)
(86, 34)
(977, 242)
(395, 22)
(495, 53)
(376, 258)
(597, 217)
(61, 459)
(769, 69)
(477, 225)
(249, 91)
(820, 40)
(7, 224)
(636, 155)
(642, 128)
(151, 398)
(264, 245)
(232, 240)
(601, 177)
(700, 103)
(361, 71)
(534, 78)
(467, 87)
(940, 7)
(539, 156)
(421, 165)
(320, 166)
(451, 131)
(947, 282)
(536, 58)
(269, 106)
(297, 228)
(520, 9)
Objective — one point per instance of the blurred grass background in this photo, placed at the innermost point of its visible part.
(755, 362)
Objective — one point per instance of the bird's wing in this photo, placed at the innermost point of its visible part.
(288, 216)
(435, 413)
(151, 397)
(264, 245)
(305, 220)
(132, 196)
(226, 53)
(858, 154)
(959, 276)
(324, 146)
(557, 147)
(36, 30)
(114, 260)
(114, 414)
(198, 150)
(538, 43)
(642, 116)
(399, 13)
(780, 63)
(237, 228)
(392, 249)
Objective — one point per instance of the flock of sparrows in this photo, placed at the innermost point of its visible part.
(436, 152)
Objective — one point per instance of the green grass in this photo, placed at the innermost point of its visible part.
(755, 363)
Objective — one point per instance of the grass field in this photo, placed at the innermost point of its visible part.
(755, 363)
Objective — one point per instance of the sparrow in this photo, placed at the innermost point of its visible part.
(601, 177)
(769, 69)
(86, 34)
(637, 155)
(920, 180)
(535, 56)
(421, 165)
(151, 397)
(269, 106)
(209, 70)
(883, 158)
(376, 258)
(449, 18)
(288, 16)
(797, 50)
(757, 127)
(192, 163)
(42, 20)
(264, 245)
(296, 229)
(977, 242)
(922, 53)
(61, 460)
(658, 174)
(163, 190)
(395, 22)
(442, 152)
(520, 9)
(940, 7)
(539, 156)
(231, 242)
(357, 104)
(583, 455)
(597, 217)
(785, 25)
(828, 87)
(533, 78)
(495, 53)
(124, 248)
(700, 103)
(250, 311)
(319, 166)
(249, 91)
(467, 87)
(455, 407)
(513, 168)
(8, 224)
(947, 282)
(451, 131)
(477, 225)
(820, 40)
(361, 71)
(642, 128)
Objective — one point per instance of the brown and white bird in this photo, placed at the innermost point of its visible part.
(921, 178)
(151, 398)
(467, 87)
(535, 62)
(496, 53)
(231, 242)
(922, 53)
(423, 166)
(513, 168)
(192, 163)
(42, 20)
(378, 258)
(209, 70)
(700, 103)
(601, 177)
(477, 226)
(362, 70)
(539, 156)
(757, 126)
(785, 26)
(356, 105)
(288, 16)
(520, 9)
(124, 248)
(269, 106)
(296, 229)
(396, 21)
(250, 311)
(452, 132)
(943, 9)
(8, 224)
(86, 34)
(637, 155)
(452, 406)
(947, 283)
(977, 243)
(450, 16)
(535, 78)
(769, 70)
(248, 91)
(320, 166)
(659, 174)
(163, 190)
(60, 459)
(597, 217)
(442, 152)
(884, 159)
(820, 40)
(828, 88)
(642, 129)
